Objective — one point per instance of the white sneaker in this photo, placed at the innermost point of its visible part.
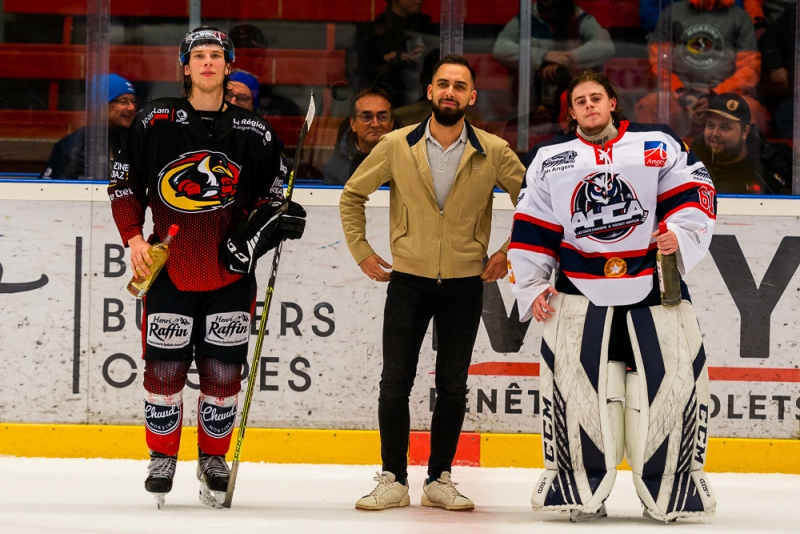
(442, 493)
(387, 494)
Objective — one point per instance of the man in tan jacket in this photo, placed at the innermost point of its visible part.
(441, 173)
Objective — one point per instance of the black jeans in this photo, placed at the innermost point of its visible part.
(411, 302)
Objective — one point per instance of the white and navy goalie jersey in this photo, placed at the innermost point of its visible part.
(592, 210)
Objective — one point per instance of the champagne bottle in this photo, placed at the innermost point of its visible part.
(669, 281)
(159, 253)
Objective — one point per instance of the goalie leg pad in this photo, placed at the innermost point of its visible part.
(577, 439)
(615, 393)
(667, 413)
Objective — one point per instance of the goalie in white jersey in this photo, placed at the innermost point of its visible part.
(589, 208)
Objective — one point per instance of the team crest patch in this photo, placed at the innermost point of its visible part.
(199, 181)
(605, 208)
(655, 153)
(615, 267)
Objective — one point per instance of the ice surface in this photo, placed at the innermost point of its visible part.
(108, 496)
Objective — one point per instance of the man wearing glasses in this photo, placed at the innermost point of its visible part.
(244, 90)
(371, 117)
(67, 158)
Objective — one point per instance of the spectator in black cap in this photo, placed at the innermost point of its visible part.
(731, 149)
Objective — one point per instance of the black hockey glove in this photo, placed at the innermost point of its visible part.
(266, 226)
(293, 222)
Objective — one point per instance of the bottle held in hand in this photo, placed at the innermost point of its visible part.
(669, 280)
(159, 253)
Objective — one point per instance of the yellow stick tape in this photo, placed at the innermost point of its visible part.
(353, 447)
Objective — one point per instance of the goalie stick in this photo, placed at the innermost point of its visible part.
(265, 310)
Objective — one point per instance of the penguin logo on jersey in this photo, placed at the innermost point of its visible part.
(199, 181)
(605, 208)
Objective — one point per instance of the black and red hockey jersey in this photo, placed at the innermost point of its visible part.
(204, 181)
(590, 210)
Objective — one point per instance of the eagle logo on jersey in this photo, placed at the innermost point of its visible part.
(655, 153)
(199, 181)
(605, 208)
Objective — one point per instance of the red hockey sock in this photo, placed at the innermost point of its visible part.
(216, 408)
(163, 420)
(215, 419)
(163, 404)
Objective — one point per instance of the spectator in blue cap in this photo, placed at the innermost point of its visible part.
(244, 89)
(67, 158)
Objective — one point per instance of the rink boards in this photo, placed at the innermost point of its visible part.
(71, 339)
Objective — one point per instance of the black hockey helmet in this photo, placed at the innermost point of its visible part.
(206, 35)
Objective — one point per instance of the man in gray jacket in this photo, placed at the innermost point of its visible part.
(441, 173)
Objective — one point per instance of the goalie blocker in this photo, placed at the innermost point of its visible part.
(662, 429)
(266, 226)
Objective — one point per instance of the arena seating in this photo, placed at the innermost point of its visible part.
(314, 68)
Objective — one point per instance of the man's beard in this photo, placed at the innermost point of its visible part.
(448, 116)
(727, 154)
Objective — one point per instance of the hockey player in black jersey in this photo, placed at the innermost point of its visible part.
(590, 207)
(214, 170)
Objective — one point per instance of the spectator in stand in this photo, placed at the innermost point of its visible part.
(388, 51)
(650, 10)
(265, 100)
(564, 41)
(714, 51)
(371, 117)
(731, 148)
(67, 160)
(777, 78)
(244, 89)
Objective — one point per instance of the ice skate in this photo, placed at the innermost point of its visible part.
(387, 494)
(577, 516)
(160, 473)
(442, 493)
(213, 474)
(646, 514)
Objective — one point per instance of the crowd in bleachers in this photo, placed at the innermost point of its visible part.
(679, 62)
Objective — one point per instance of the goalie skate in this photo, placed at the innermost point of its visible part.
(213, 474)
(577, 516)
(160, 473)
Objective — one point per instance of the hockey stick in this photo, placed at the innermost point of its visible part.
(265, 311)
